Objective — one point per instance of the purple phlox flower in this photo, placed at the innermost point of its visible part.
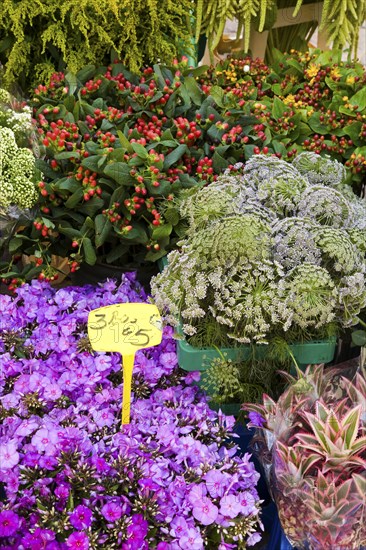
(192, 377)
(103, 397)
(216, 483)
(253, 539)
(39, 539)
(247, 503)
(9, 401)
(197, 493)
(9, 456)
(103, 417)
(112, 511)
(81, 517)
(164, 546)
(169, 361)
(230, 506)
(62, 491)
(136, 533)
(205, 511)
(256, 419)
(27, 426)
(100, 464)
(52, 392)
(9, 523)
(178, 527)
(45, 440)
(102, 362)
(109, 284)
(48, 462)
(68, 381)
(78, 541)
(191, 540)
(63, 299)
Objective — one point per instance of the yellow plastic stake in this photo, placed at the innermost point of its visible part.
(125, 328)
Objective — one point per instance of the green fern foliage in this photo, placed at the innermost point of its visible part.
(39, 37)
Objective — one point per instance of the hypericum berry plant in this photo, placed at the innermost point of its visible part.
(113, 137)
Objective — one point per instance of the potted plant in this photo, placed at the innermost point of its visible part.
(313, 446)
(267, 267)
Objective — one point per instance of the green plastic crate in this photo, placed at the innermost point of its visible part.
(307, 353)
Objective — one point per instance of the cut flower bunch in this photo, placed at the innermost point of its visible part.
(272, 251)
(73, 478)
(19, 176)
(312, 443)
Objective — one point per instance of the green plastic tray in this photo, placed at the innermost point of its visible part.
(307, 353)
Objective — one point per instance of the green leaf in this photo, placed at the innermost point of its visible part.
(359, 337)
(174, 156)
(86, 73)
(125, 143)
(74, 199)
(70, 232)
(217, 95)
(219, 164)
(102, 229)
(14, 244)
(278, 108)
(352, 421)
(119, 172)
(91, 207)
(67, 184)
(72, 82)
(69, 103)
(136, 235)
(92, 163)
(140, 150)
(162, 231)
(117, 253)
(359, 99)
(89, 252)
(46, 169)
(67, 155)
(163, 190)
(172, 215)
(195, 93)
(316, 125)
(87, 226)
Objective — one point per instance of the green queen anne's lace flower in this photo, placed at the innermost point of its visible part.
(233, 237)
(326, 206)
(339, 254)
(320, 170)
(310, 294)
(282, 193)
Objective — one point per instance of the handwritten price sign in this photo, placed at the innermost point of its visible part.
(125, 328)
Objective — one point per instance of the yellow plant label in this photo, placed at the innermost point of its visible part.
(125, 328)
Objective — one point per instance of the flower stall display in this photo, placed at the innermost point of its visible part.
(270, 257)
(73, 478)
(117, 147)
(312, 442)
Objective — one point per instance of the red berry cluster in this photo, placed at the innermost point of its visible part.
(89, 182)
(111, 213)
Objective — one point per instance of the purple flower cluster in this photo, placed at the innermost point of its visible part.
(74, 478)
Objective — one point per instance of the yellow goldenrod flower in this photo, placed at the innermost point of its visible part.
(350, 80)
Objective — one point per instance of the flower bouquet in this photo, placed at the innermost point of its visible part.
(312, 442)
(18, 173)
(74, 479)
(273, 254)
